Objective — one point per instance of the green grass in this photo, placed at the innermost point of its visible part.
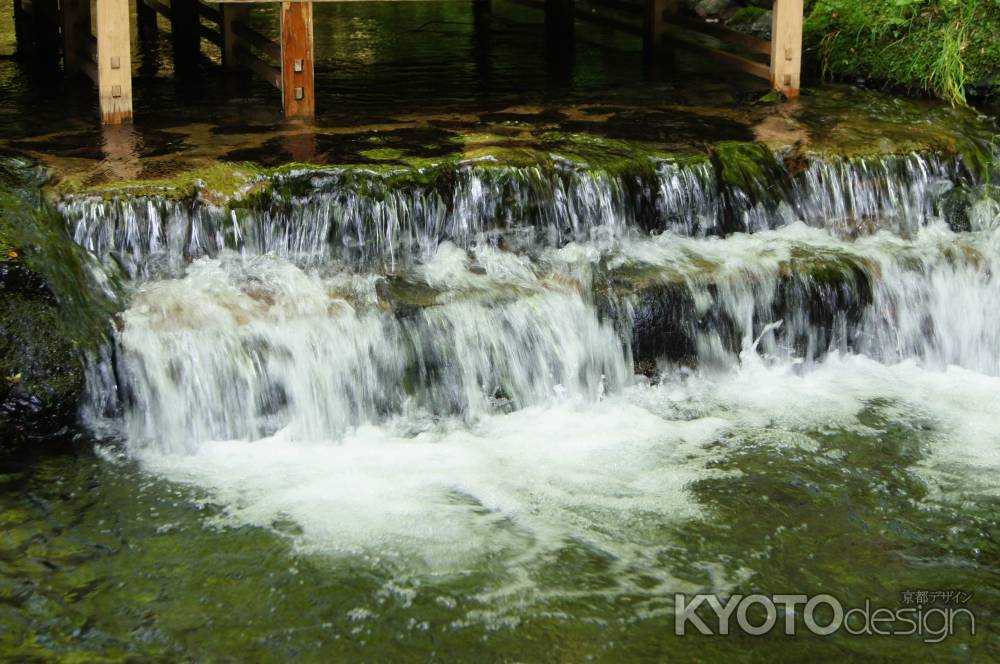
(938, 47)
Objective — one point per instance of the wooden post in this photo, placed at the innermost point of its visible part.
(655, 27)
(786, 46)
(146, 19)
(185, 35)
(559, 23)
(232, 14)
(559, 37)
(482, 48)
(21, 30)
(114, 61)
(297, 79)
(75, 29)
(45, 17)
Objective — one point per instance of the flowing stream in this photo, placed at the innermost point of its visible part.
(519, 407)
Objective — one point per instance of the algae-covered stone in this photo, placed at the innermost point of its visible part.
(50, 311)
(41, 375)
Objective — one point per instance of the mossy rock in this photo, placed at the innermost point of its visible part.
(51, 311)
(41, 375)
(954, 209)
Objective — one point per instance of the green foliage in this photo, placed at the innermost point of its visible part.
(939, 47)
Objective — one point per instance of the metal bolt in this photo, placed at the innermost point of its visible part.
(299, 94)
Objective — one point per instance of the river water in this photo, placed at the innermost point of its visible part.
(503, 406)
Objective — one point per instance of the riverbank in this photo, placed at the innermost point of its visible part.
(936, 47)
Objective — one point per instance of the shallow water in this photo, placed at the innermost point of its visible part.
(551, 533)
(551, 519)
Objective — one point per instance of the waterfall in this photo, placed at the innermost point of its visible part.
(339, 299)
(245, 347)
(364, 219)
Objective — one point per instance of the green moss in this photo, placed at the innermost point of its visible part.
(216, 184)
(599, 152)
(476, 139)
(827, 266)
(382, 154)
(40, 363)
(36, 240)
(53, 310)
(750, 167)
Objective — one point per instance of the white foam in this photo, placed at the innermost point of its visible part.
(362, 472)
(513, 484)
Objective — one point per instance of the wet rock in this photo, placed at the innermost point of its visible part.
(821, 303)
(41, 377)
(664, 324)
(955, 207)
(47, 306)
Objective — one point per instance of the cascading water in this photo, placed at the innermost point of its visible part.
(365, 219)
(352, 346)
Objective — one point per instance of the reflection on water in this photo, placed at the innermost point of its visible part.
(425, 79)
(377, 63)
(421, 77)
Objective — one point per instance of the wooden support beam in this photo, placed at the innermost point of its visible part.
(88, 67)
(786, 46)
(609, 22)
(559, 23)
(211, 13)
(266, 72)
(146, 18)
(298, 89)
(257, 40)
(185, 33)
(622, 6)
(733, 60)
(160, 8)
(654, 26)
(210, 35)
(22, 21)
(46, 22)
(232, 16)
(76, 32)
(114, 61)
(722, 33)
(482, 42)
(560, 27)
